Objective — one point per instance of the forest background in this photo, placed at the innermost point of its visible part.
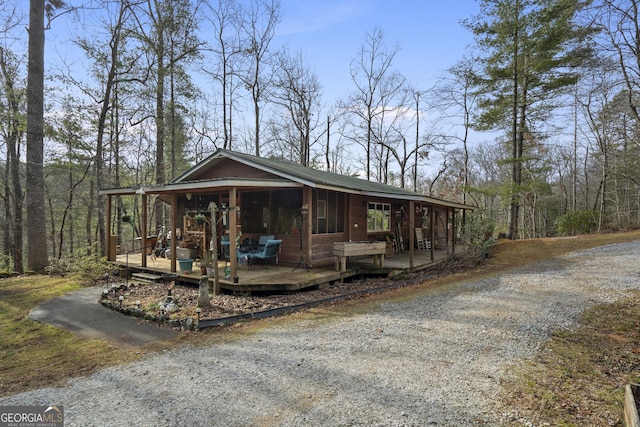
(537, 123)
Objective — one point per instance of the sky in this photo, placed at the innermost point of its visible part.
(330, 33)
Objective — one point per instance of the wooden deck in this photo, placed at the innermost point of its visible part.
(284, 278)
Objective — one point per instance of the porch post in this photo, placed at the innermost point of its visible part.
(144, 230)
(213, 246)
(174, 226)
(453, 230)
(108, 225)
(306, 226)
(432, 220)
(447, 230)
(412, 232)
(233, 233)
(348, 216)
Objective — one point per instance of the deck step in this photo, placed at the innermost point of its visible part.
(146, 277)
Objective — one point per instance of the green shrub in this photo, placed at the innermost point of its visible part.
(479, 234)
(576, 222)
(85, 267)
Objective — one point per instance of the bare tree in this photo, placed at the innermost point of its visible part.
(376, 84)
(621, 23)
(455, 97)
(297, 91)
(259, 28)
(167, 30)
(226, 20)
(12, 100)
(600, 115)
(114, 65)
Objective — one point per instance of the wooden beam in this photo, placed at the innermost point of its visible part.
(214, 248)
(144, 230)
(174, 227)
(432, 220)
(108, 225)
(453, 230)
(233, 232)
(306, 226)
(412, 232)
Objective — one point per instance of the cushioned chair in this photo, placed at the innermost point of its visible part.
(241, 257)
(270, 251)
(264, 239)
(226, 249)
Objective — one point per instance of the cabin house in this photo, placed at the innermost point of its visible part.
(232, 199)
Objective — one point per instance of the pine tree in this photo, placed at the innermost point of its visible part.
(532, 49)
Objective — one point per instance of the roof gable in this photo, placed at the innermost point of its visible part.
(264, 168)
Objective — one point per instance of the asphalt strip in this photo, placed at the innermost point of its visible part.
(81, 312)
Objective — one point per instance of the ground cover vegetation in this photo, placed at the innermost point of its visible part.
(537, 123)
(552, 388)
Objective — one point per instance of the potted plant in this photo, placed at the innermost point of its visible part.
(206, 264)
(199, 219)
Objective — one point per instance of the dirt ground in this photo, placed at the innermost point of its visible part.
(154, 298)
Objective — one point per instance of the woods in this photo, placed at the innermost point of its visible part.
(537, 123)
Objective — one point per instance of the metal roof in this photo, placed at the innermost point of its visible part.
(288, 175)
(314, 178)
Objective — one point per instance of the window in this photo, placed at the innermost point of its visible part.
(286, 211)
(378, 217)
(328, 215)
(322, 209)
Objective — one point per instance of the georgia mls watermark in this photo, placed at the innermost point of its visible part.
(31, 416)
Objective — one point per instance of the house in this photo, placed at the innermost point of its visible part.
(243, 197)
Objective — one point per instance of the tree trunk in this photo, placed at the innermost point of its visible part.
(37, 256)
(13, 196)
(160, 173)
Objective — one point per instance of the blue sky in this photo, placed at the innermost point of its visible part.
(330, 33)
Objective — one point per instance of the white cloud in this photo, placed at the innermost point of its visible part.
(306, 17)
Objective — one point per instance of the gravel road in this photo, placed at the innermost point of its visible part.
(435, 359)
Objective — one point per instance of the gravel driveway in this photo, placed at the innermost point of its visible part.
(435, 359)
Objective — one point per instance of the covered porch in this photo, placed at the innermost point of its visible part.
(224, 207)
(282, 278)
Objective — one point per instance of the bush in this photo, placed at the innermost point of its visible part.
(576, 222)
(6, 265)
(85, 267)
(479, 234)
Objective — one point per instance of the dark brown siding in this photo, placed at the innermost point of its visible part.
(323, 248)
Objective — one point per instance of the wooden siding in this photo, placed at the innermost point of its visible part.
(322, 248)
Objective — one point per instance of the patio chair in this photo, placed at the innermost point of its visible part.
(225, 246)
(241, 257)
(423, 244)
(264, 239)
(270, 251)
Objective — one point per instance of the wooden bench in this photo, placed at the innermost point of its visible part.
(343, 250)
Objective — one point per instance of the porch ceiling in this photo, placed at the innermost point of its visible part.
(204, 185)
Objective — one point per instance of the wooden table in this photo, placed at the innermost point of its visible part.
(343, 250)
